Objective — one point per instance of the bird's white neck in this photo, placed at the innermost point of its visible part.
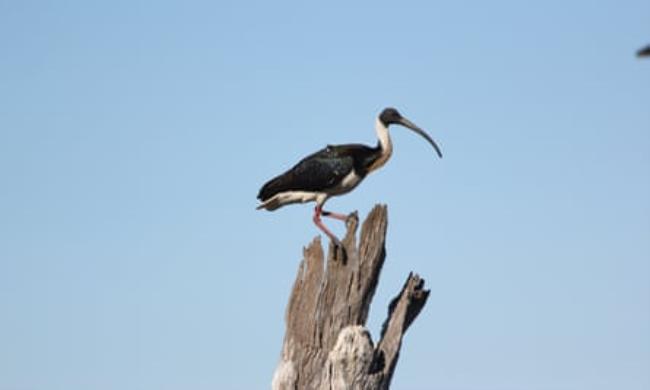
(384, 143)
(384, 138)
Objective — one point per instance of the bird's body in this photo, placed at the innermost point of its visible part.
(333, 170)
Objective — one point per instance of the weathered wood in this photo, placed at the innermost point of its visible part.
(326, 345)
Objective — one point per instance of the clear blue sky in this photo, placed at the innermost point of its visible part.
(134, 136)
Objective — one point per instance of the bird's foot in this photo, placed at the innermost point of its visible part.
(352, 219)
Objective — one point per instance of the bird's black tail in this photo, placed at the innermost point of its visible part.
(272, 187)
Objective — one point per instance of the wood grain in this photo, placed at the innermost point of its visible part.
(326, 345)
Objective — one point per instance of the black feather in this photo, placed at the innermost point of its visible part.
(321, 170)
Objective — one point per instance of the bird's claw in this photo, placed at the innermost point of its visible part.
(352, 219)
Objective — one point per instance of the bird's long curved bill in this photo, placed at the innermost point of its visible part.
(407, 123)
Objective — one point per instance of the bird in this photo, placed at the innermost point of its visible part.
(643, 52)
(335, 170)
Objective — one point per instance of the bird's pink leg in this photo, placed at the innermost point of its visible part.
(317, 213)
(330, 214)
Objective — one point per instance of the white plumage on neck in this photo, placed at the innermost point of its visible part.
(385, 144)
(384, 138)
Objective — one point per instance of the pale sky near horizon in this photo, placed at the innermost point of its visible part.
(134, 136)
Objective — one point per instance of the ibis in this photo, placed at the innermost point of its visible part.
(335, 170)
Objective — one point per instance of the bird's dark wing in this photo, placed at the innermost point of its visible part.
(316, 172)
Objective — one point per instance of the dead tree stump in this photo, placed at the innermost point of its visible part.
(326, 345)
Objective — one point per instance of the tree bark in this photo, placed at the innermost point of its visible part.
(326, 345)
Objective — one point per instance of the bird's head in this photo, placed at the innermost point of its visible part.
(390, 116)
